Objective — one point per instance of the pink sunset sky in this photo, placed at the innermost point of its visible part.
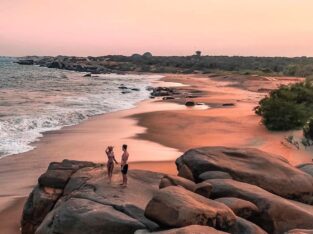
(163, 27)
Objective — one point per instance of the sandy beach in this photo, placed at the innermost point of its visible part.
(157, 132)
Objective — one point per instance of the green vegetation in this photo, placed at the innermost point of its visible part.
(289, 107)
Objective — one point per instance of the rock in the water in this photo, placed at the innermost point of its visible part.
(169, 180)
(276, 214)
(307, 168)
(208, 175)
(241, 208)
(87, 75)
(190, 103)
(252, 166)
(192, 229)
(88, 217)
(243, 226)
(203, 189)
(177, 207)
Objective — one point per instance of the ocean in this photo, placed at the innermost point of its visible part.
(34, 100)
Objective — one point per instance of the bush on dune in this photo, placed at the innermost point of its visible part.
(288, 107)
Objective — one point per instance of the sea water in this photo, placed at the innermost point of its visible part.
(34, 100)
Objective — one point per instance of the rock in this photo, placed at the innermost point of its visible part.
(55, 178)
(168, 98)
(300, 231)
(122, 87)
(170, 180)
(185, 172)
(25, 62)
(241, 208)
(70, 165)
(243, 226)
(39, 203)
(190, 103)
(162, 91)
(307, 168)
(276, 214)
(214, 175)
(253, 166)
(138, 214)
(177, 207)
(135, 89)
(87, 75)
(228, 104)
(85, 216)
(87, 197)
(192, 229)
(203, 189)
(125, 92)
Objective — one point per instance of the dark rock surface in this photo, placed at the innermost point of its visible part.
(276, 214)
(177, 207)
(241, 208)
(214, 175)
(253, 166)
(170, 180)
(243, 226)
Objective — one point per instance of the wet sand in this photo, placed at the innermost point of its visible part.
(156, 132)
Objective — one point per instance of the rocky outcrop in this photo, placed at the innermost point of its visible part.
(217, 190)
(276, 214)
(252, 166)
(177, 207)
(84, 202)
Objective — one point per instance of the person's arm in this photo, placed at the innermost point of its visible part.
(114, 159)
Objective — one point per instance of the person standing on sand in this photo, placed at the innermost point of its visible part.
(124, 165)
(111, 159)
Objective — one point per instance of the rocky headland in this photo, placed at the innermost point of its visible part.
(217, 190)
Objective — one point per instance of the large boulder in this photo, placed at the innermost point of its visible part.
(276, 214)
(243, 226)
(192, 229)
(177, 207)
(88, 217)
(241, 208)
(171, 180)
(252, 166)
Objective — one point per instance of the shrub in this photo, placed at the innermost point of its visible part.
(288, 107)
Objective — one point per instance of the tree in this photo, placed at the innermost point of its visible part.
(198, 53)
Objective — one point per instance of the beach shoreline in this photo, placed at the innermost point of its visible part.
(156, 131)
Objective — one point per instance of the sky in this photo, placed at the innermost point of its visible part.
(163, 27)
